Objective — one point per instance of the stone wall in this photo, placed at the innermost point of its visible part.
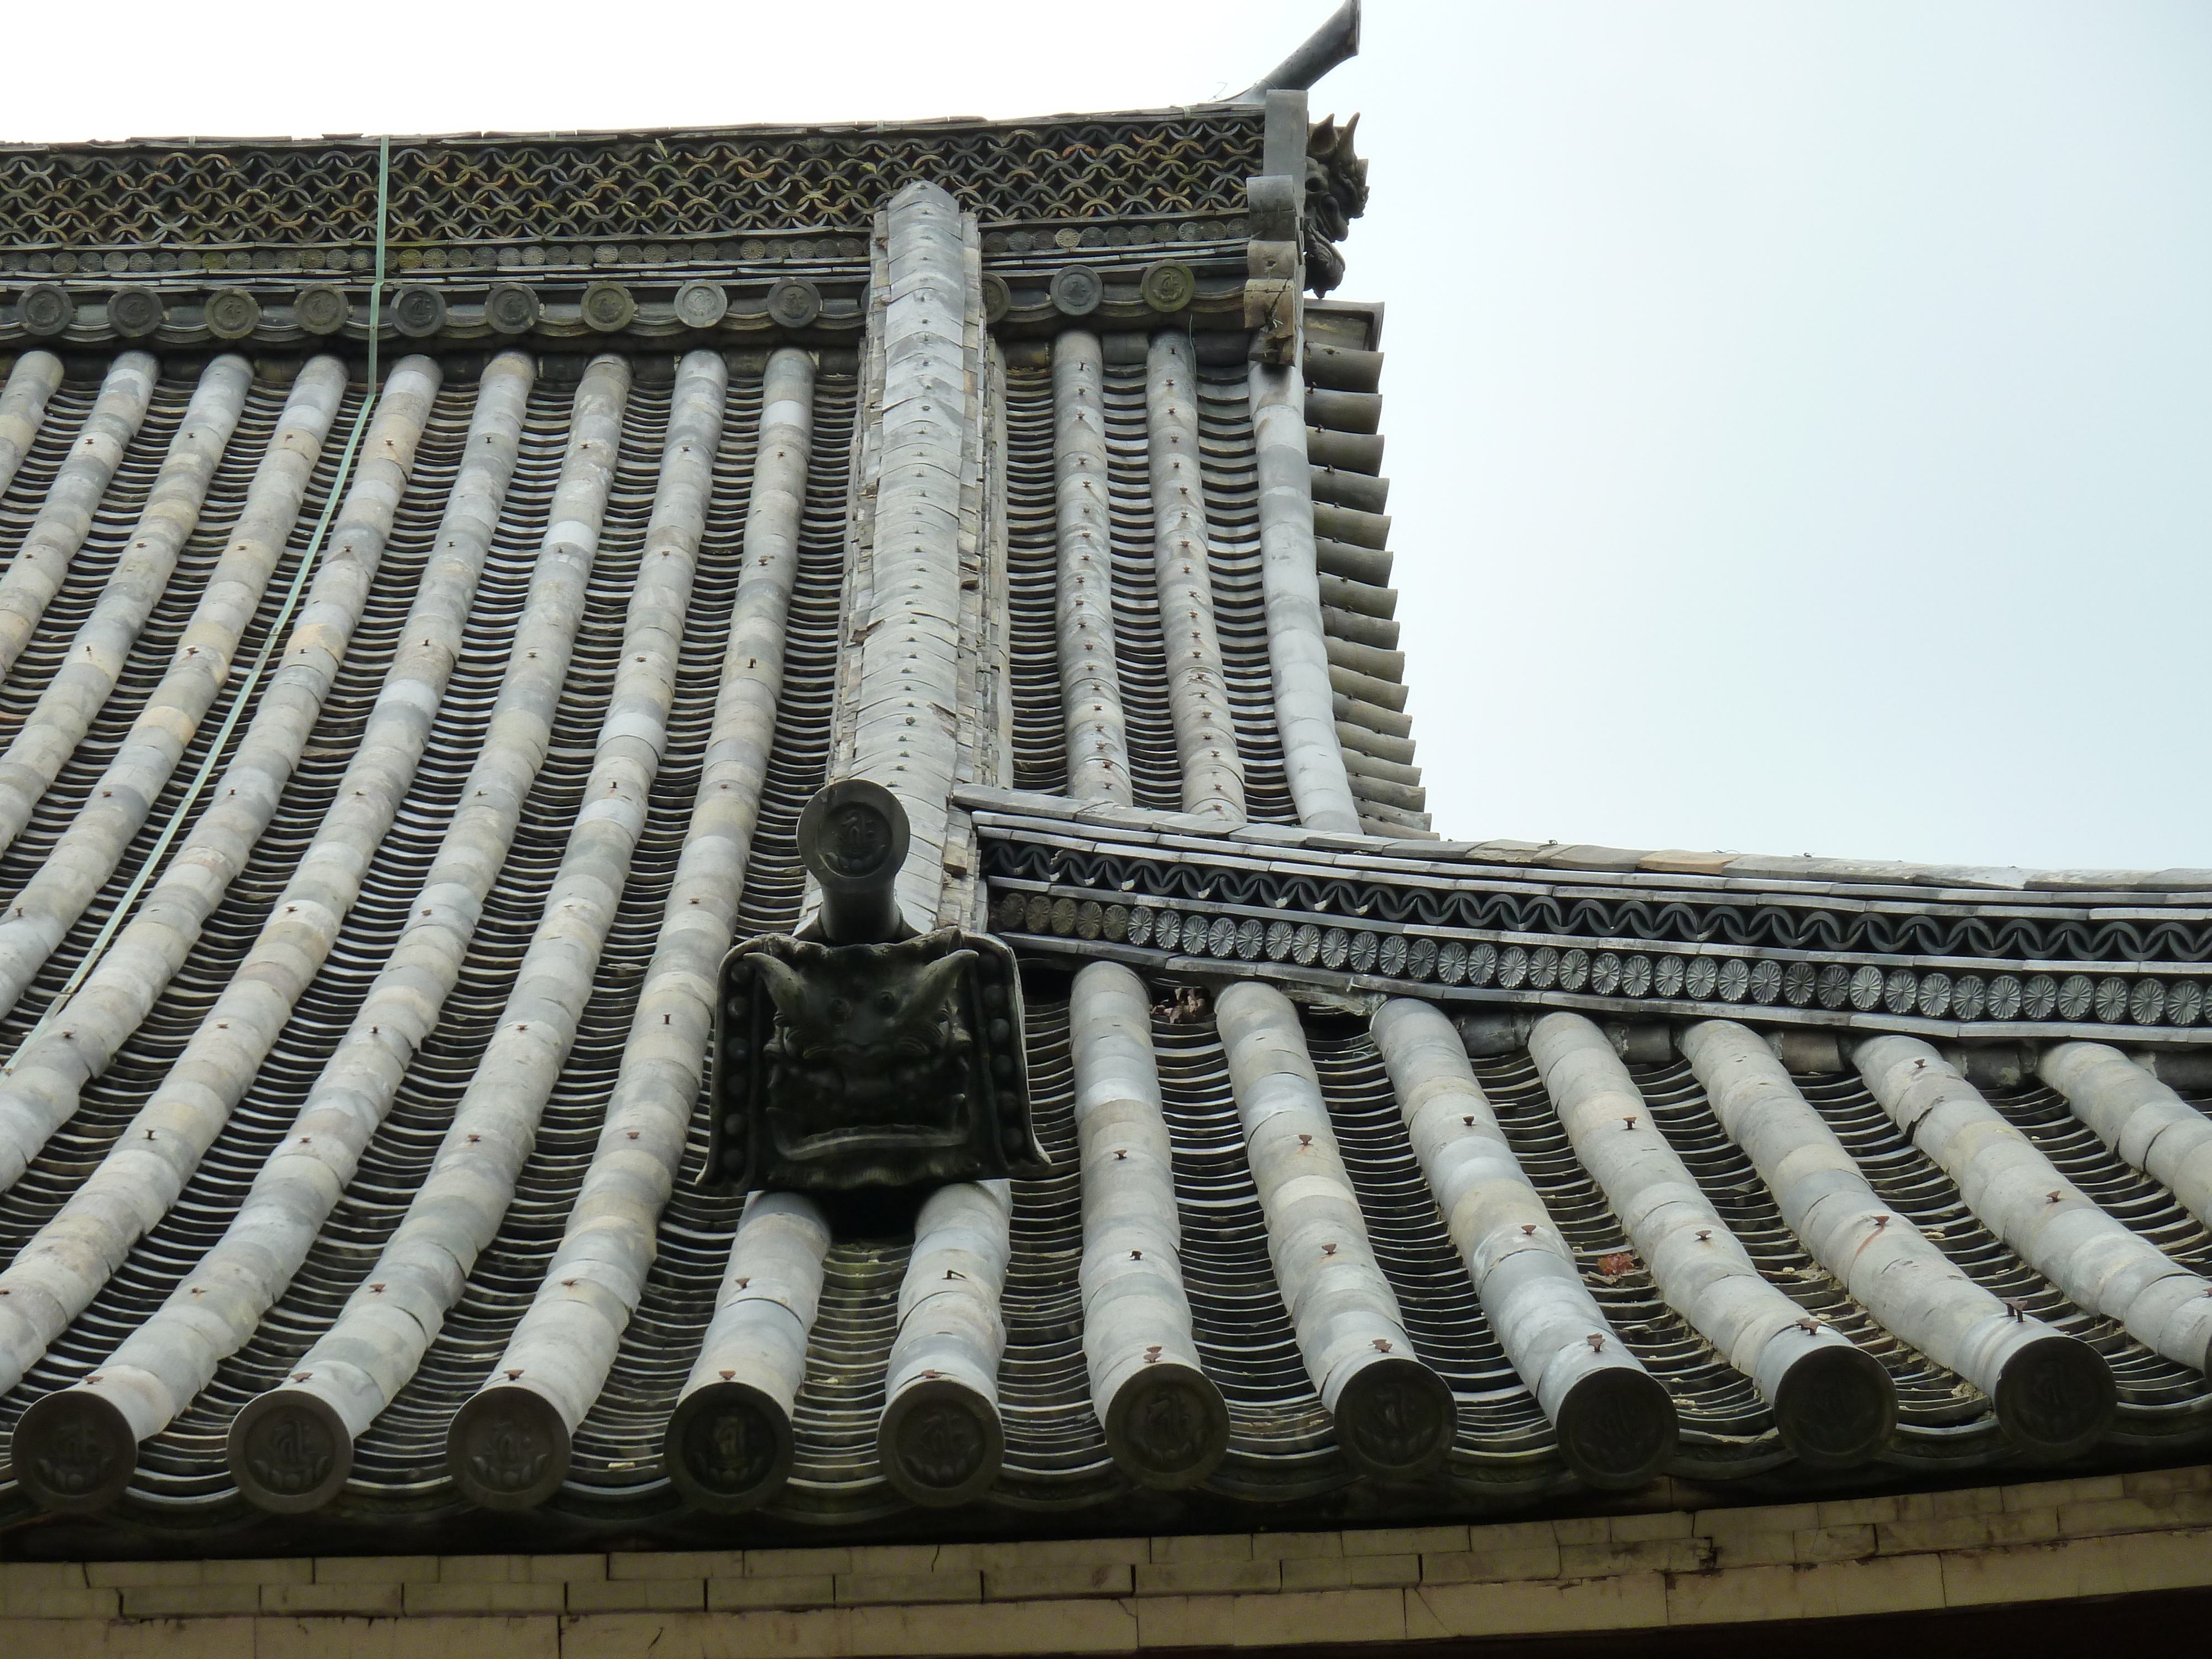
(2104, 1535)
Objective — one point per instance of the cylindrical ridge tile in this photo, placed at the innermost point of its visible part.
(2021, 1196)
(34, 574)
(1166, 1422)
(89, 850)
(31, 384)
(940, 1442)
(1833, 1403)
(1297, 646)
(2052, 1393)
(128, 1397)
(1198, 691)
(351, 1373)
(57, 1274)
(908, 701)
(1090, 678)
(728, 1446)
(1394, 1416)
(510, 1446)
(96, 657)
(566, 1345)
(2147, 1126)
(1616, 1422)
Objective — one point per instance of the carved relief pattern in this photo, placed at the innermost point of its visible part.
(504, 1450)
(1615, 1427)
(872, 1065)
(1396, 1423)
(1335, 195)
(289, 1452)
(1168, 1428)
(1928, 928)
(683, 185)
(75, 1455)
(941, 1444)
(1626, 949)
(731, 1448)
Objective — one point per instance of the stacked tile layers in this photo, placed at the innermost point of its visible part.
(1188, 632)
(385, 777)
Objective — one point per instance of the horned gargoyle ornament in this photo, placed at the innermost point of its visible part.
(859, 1061)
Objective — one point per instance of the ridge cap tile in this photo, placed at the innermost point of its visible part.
(2179, 880)
(1289, 834)
(1507, 852)
(1589, 855)
(1677, 860)
(1803, 868)
(1973, 876)
(1337, 840)
(1410, 847)
(2093, 880)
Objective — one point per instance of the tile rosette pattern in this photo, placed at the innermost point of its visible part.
(1342, 922)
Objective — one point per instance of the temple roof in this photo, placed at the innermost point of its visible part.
(410, 693)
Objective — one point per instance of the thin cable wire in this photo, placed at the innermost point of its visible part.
(276, 632)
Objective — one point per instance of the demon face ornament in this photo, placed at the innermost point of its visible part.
(859, 1056)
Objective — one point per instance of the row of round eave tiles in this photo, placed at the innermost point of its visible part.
(70, 261)
(1191, 230)
(417, 310)
(2112, 999)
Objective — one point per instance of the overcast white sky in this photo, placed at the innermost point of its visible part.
(1801, 410)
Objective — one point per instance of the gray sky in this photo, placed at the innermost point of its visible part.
(1799, 409)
